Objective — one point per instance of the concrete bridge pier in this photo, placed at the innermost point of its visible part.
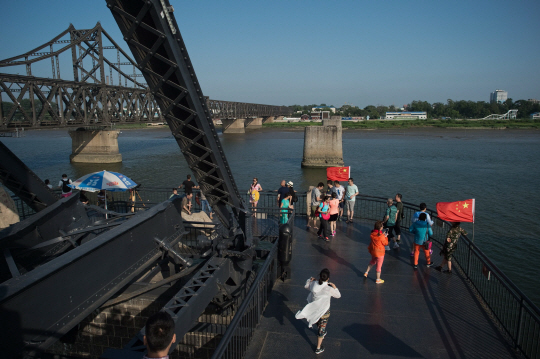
(323, 146)
(278, 118)
(233, 125)
(254, 122)
(94, 146)
(269, 119)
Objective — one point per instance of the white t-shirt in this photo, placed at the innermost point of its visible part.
(338, 191)
(417, 215)
(61, 183)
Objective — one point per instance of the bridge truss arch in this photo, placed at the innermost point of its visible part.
(99, 91)
(510, 115)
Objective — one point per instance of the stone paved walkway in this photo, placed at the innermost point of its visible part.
(414, 314)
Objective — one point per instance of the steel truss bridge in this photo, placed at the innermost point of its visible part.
(104, 89)
(61, 265)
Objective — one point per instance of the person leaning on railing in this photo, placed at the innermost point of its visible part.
(285, 203)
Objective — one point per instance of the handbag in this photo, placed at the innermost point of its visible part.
(325, 216)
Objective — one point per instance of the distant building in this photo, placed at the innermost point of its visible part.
(535, 116)
(320, 115)
(498, 96)
(416, 115)
(319, 108)
(533, 100)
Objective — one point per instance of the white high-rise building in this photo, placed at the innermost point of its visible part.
(498, 96)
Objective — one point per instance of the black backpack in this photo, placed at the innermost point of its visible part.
(65, 187)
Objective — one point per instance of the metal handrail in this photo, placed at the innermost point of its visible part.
(246, 303)
(516, 314)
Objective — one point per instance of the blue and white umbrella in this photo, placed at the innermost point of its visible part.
(109, 181)
(103, 180)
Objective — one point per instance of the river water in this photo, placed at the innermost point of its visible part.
(499, 168)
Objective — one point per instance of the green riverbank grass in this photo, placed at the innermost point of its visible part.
(388, 124)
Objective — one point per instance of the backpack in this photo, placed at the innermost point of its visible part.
(65, 187)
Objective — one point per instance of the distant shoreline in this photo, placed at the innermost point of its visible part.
(365, 125)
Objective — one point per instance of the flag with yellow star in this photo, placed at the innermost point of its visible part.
(338, 173)
(460, 211)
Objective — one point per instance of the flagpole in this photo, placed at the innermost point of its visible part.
(473, 213)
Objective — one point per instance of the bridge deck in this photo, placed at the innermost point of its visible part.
(416, 314)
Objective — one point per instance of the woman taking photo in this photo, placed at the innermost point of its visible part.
(317, 311)
(254, 194)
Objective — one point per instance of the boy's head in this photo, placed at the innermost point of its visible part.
(336, 183)
(423, 206)
(159, 334)
(330, 183)
(189, 177)
(174, 191)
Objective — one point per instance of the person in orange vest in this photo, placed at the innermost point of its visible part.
(379, 239)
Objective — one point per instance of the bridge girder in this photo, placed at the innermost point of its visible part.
(56, 102)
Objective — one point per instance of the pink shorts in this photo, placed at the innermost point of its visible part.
(378, 260)
(64, 195)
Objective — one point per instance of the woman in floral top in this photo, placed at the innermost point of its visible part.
(450, 246)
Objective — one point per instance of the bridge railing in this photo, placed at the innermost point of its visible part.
(239, 333)
(517, 317)
(515, 314)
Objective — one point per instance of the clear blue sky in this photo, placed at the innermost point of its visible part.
(334, 52)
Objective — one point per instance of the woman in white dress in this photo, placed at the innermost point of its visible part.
(317, 311)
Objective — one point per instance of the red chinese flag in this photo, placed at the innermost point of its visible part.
(461, 211)
(338, 173)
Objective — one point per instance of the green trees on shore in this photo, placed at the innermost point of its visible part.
(451, 109)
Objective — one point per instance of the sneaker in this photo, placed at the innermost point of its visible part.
(326, 239)
(447, 271)
(334, 233)
(379, 281)
(320, 350)
(415, 267)
(396, 245)
(439, 268)
(412, 254)
(365, 274)
(431, 251)
(320, 236)
(430, 264)
(386, 248)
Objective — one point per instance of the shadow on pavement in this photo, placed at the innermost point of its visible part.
(378, 340)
